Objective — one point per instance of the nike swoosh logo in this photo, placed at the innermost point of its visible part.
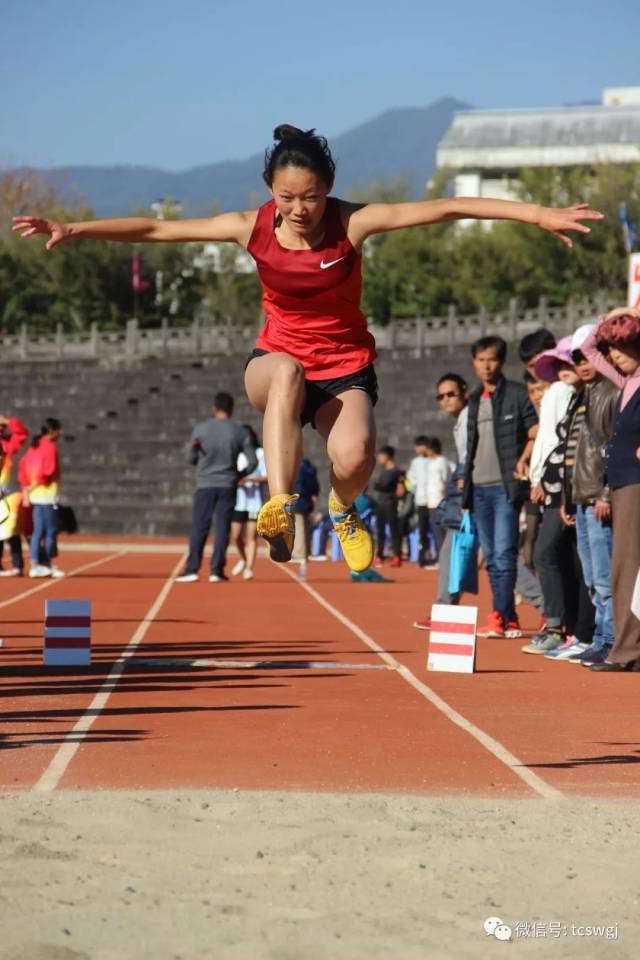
(323, 265)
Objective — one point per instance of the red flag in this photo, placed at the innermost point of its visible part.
(139, 285)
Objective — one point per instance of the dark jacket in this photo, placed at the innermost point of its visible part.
(307, 487)
(513, 417)
(385, 484)
(588, 480)
(623, 466)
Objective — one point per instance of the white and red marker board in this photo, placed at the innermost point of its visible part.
(452, 642)
(67, 633)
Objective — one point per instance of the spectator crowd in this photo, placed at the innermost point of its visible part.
(549, 469)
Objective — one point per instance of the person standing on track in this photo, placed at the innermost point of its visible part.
(249, 500)
(313, 361)
(213, 450)
(501, 423)
(452, 394)
(388, 484)
(13, 434)
(39, 476)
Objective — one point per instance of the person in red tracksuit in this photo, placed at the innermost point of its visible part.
(39, 475)
(313, 361)
(13, 434)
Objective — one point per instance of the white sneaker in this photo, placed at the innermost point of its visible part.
(214, 578)
(238, 568)
(39, 571)
(57, 573)
(247, 575)
(187, 578)
(567, 650)
(319, 559)
(11, 572)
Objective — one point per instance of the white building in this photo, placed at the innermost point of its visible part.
(485, 149)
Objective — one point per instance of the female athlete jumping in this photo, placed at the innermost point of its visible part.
(313, 361)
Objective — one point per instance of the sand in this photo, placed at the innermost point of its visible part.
(229, 875)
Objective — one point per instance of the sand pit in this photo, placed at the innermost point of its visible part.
(292, 876)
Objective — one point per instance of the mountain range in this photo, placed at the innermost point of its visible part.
(400, 141)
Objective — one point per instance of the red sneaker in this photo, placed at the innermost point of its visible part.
(378, 562)
(513, 630)
(494, 626)
(395, 562)
(422, 624)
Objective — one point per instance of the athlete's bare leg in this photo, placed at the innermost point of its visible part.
(347, 424)
(251, 544)
(275, 386)
(237, 538)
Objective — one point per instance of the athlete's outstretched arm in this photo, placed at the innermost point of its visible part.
(230, 227)
(380, 217)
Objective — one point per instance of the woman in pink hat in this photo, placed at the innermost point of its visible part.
(568, 611)
(613, 348)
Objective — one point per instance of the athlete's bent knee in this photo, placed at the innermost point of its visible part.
(353, 461)
(288, 376)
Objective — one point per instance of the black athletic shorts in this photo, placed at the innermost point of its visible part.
(240, 516)
(320, 392)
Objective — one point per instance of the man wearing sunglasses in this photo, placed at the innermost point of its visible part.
(451, 396)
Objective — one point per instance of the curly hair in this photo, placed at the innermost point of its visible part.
(619, 328)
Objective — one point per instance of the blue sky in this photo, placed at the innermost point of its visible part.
(177, 84)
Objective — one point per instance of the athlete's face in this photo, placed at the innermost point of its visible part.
(301, 198)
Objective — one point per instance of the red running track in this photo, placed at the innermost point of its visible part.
(154, 711)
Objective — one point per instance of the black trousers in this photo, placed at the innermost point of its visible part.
(387, 513)
(15, 546)
(423, 531)
(566, 599)
(211, 504)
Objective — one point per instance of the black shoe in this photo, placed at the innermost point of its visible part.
(607, 666)
(588, 657)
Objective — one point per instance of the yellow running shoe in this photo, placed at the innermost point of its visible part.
(277, 524)
(354, 537)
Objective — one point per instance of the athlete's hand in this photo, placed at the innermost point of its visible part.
(30, 226)
(556, 220)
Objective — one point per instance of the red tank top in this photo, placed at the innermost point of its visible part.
(311, 298)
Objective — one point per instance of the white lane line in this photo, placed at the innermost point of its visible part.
(49, 581)
(497, 749)
(66, 752)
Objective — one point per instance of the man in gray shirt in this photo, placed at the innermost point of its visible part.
(213, 450)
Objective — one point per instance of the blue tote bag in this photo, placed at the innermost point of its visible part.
(463, 568)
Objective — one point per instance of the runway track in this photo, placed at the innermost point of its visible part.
(277, 684)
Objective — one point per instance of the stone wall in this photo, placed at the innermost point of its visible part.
(125, 425)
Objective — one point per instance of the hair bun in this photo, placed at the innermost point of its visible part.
(287, 132)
